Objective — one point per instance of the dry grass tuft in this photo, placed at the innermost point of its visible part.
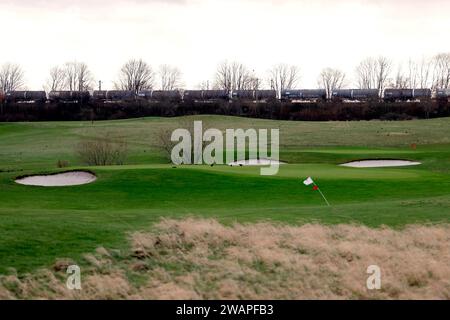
(203, 259)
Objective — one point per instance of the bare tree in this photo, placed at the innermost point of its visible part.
(169, 77)
(441, 71)
(373, 73)
(283, 77)
(401, 79)
(254, 83)
(383, 70)
(331, 79)
(366, 74)
(412, 75)
(135, 75)
(11, 77)
(204, 85)
(70, 76)
(416, 75)
(56, 80)
(77, 76)
(424, 73)
(85, 78)
(234, 76)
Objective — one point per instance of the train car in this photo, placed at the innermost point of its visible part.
(113, 95)
(216, 95)
(443, 94)
(166, 96)
(304, 95)
(69, 96)
(392, 95)
(193, 95)
(120, 95)
(421, 94)
(26, 96)
(355, 94)
(161, 95)
(243, 95)
(396, 94)
(145, 94)
(99, 95)
(265, 95)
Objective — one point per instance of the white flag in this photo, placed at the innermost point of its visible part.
(308, 181)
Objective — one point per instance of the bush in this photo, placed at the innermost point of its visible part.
(392, 116)
(164, 141)
(102, 151)
(62, 163)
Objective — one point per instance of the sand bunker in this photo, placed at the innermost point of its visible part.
(73, 178)
(380, 163)
(255, 162)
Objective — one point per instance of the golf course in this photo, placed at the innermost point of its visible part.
(42, 224)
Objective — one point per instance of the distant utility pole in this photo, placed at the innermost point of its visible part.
(100, 85)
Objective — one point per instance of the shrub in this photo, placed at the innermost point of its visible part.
(392, 116)
(62, 163)
(164, 141)
(102, 151)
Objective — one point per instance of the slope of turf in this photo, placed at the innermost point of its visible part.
(41, 224)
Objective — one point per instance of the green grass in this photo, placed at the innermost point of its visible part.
(39, 225)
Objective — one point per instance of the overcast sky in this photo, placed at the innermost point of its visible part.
(196, 35)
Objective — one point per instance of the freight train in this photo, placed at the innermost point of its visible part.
(205, 96)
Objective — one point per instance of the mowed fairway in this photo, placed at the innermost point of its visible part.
(39, 225)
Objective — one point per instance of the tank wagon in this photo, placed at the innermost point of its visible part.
(26, 96)
(355, 94)
(243, 95)
(123, 95)
(216, 95)
(265, 95)
(99, 95)
(113, 95)
(205, 95)
(193, 95)
(303, 95)
(392, 95)
(443, 94)
(145, 94)
(166, 96)
(69, 96)
(254, 95)
(160, 95)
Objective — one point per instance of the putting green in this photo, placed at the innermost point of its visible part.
(41, 224)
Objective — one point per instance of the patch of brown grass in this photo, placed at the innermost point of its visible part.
(203, 259)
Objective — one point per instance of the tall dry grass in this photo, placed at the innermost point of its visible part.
(203, 259)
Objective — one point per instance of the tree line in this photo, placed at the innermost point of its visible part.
(137, 75)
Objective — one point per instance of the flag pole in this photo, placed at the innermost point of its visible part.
(318, 189)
